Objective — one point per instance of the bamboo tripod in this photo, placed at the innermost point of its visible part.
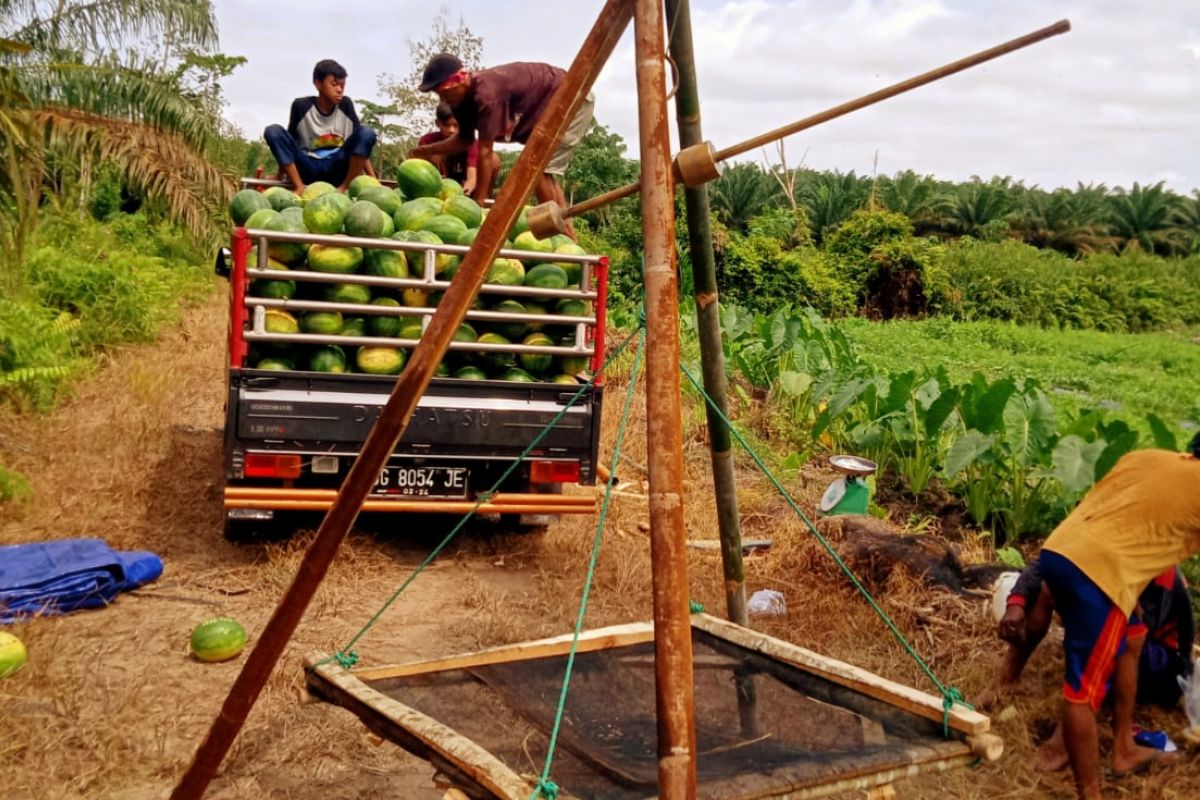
(673, 644)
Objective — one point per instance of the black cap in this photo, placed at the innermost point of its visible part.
(439, 68)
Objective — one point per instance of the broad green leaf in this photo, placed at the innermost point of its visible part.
(983, 405)
(1028, 426)
(1074, 462)
(1010, 557)
(1116, 448)
(966, 450)
(795, 384)
(1164, 437)
(939, 411)
(927, 392)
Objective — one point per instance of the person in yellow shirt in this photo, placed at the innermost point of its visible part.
(1140, 519)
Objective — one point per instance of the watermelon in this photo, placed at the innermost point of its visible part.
(362, 183)
(447, 228)
(354, 326)
(364, 219)
(560, 239)
(506, 272)
(465, 333)
(281, 198)
(411, 216)
(386, 263)
(530, 243)
(280, 321)
(325, 214)
(497, 361)
(520, 226)
(381, 360)
(245, 203)
(574, 269)
(326, 323)
(389, 227)
(325, 258)
(383, 197)
(572, 365)
(380, 325)
(470, 374)
(260, 217)
(546, 276)
(289, 221)
(12, 654)
(468, 238)
(411, 328)
(416, 177)
(465, 209)
(510, 330)
(450, 188)
(536, 363)
(535, 307)
(572, 307)
(279, 290)
(517, 374)
(571, 379)
(415, 298)
(400, 194)
(327, 358)
(346, 293)
(315, 190)
(441, 370)
(274, 362)
(218, 639)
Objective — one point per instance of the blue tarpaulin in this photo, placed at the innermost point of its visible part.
(46, 578)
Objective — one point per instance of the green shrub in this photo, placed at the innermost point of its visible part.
(758, 272)
(13, 486)
(37, 354)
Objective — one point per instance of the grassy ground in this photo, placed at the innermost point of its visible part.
(1133, 374)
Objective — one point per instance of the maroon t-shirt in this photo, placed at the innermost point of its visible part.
(506, 102)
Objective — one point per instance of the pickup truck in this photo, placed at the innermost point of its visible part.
(294, 423)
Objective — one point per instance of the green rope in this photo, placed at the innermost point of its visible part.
(695, 607)
(544, 784)
(483, 498)
(950, 695)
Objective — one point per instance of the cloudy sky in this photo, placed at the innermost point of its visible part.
(1116, 100)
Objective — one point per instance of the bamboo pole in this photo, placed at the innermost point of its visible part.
(411, 384)
(672, 626)
(1060, 27)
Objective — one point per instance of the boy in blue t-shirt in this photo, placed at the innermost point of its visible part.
(324, 141)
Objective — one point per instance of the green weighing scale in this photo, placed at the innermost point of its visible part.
(849, 494)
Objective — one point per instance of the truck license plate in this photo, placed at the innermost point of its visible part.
(423, 481)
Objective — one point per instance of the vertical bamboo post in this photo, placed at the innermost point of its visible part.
(411, 384)
(708, 322)
(672, 626)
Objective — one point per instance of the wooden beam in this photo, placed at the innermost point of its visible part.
(897, 694)
(589, 641)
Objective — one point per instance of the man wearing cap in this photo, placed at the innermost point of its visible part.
(502, 104)
(1140, 519)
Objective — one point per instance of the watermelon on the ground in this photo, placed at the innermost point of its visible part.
(417, 177)
(315, 190)
(245, 203)
(386, 263)
(546, 276)
(362, 183)
(506, 272)
(510, 330)
(259, 218)
(465, 209)
(281, 197)
(381, 360)
(288, 221)
(326, 323)
(326, 258)
(536, 363)
(448, 228)
(410, 216)
(327, 358)
(380, 325)
(13, 654)
(218, 639)
(387, 200)
(364, 219)
(346, 293)
(280, 321)
(325, 214)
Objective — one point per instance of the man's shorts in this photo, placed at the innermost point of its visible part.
(573, 136)
(1094, 630)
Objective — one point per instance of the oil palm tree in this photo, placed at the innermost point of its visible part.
(742, 192)
(981, 208)
(830, 198)
(1146, 218)
(918, 197)
(66, 91)
(1072, 222)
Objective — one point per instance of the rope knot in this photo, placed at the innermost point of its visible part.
(347, 658)
(547, 788)
(695, 608)
(951, 697)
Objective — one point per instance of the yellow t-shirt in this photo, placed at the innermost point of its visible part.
(1143, 517)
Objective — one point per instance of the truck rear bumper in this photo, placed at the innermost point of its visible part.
(279, 499)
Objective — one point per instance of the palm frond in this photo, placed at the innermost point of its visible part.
(33, 374)
(111, 24)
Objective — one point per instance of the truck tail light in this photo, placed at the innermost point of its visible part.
(264, 465)
(554, 472)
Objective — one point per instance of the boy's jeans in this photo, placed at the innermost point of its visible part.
(331, 168)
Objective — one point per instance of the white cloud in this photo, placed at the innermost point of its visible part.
(1116, 100)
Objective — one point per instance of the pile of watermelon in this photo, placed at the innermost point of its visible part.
(423, 208)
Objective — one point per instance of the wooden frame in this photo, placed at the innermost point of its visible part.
(481, 774)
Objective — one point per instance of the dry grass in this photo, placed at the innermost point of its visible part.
(110, 705)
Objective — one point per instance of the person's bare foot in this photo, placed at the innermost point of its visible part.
(1052, 755)
(1136, 759)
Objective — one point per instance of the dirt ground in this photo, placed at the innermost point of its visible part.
(111, 705)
